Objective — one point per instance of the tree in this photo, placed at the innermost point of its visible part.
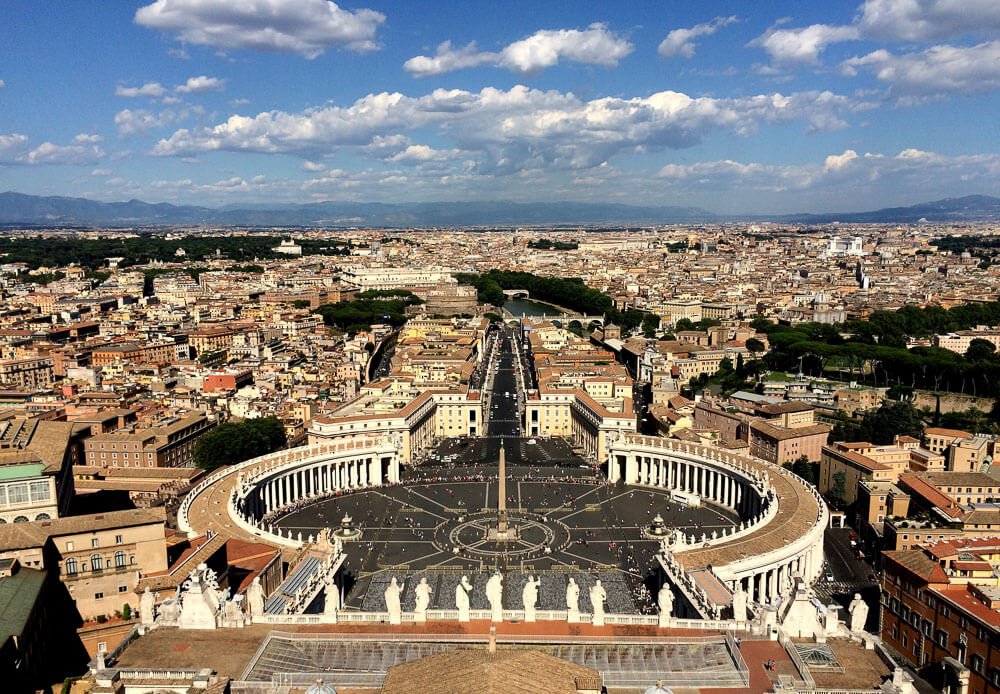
(683, 324)
(804, 469)
(126, 612)
(891, 418)
(234, 442)
(755, 347)
(980, 350)
(839, 488)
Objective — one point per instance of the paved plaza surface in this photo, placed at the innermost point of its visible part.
(569, 520)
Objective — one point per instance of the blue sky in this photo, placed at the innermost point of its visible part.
(738, 107)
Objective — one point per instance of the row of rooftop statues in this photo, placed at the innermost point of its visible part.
(494, 595)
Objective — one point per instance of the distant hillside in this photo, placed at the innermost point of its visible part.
(971, 208)
(16, 208)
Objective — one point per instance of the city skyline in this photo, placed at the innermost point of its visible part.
(792, 108)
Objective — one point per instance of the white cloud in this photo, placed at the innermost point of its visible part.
(101, 172)
(150, 89)
(928, 20)
(934, 72)
(836, 162)
(313, 166)
(594, 45)
(2, 84)
(789, 46)
(14, 149)
(448, 59)
(134, 122)
(512, 130)
(681, 41)
(306, 27)
(422, 153)
(202, 83)
(922, 175)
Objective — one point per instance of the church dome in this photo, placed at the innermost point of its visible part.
(321, 688)
(658, 688)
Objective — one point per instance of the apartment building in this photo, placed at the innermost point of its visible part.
(28, 373)
(941, 604)
(168, 443)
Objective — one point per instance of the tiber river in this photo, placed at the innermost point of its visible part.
(527, 307)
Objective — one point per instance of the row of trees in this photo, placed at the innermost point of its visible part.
(549, 245)
(92, 253)
(870, 356)
(233, 442)
(368, 308)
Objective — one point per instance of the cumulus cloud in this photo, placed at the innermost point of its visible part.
(313, 166)
(928, 20)
(305, 27)
(83, 149)
(594, 45)
(150, 89)
(803, 46)
(199, 84)
(915, 171)
(507, 131)
(934, 72)
(130, 122)
(448, 59)
(681, 41)
(416, 154)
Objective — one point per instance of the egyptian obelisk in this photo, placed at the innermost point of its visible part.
(502, 502)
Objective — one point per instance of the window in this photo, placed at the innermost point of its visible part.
(98, 596)
(69, 546)
(122, 589)
(95, 562)
(941, 638)
(94, 543)
(118, 539)
(119, 559)
(71, 566)
(976, 663)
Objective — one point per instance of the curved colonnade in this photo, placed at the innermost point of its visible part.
(784, 517)
(779, 539)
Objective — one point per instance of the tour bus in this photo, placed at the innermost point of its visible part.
(685, 498)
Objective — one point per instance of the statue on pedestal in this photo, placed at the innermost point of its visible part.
(529, 596)
(255, 597)
(392, 601)
(331, 598)
(665, 601)
(573, 600)
(597, 597)
(740, 600)
(859, 614)
(462, 591)
(494, 594)
(147, 607)
(422, 598)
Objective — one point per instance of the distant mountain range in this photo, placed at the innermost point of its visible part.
(20, 209)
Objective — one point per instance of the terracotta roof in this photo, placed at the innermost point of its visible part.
(24, 535)
(940, 431)
(467, 670)
(917, 562)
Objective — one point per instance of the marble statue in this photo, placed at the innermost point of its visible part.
(494, 594)
(147, 607)
(529, 596)
(859, 614)
(573, 597)
(331, 598)
(201, 600)
(392, 601)
(422, 597)
(255, 597)
(665, 601)
(462, 591)
(740, 600)
(597, 597)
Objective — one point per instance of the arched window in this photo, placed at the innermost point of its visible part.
(71, 567)
(95, 562)
(43, 516)
(21, 519)
(119, 559)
